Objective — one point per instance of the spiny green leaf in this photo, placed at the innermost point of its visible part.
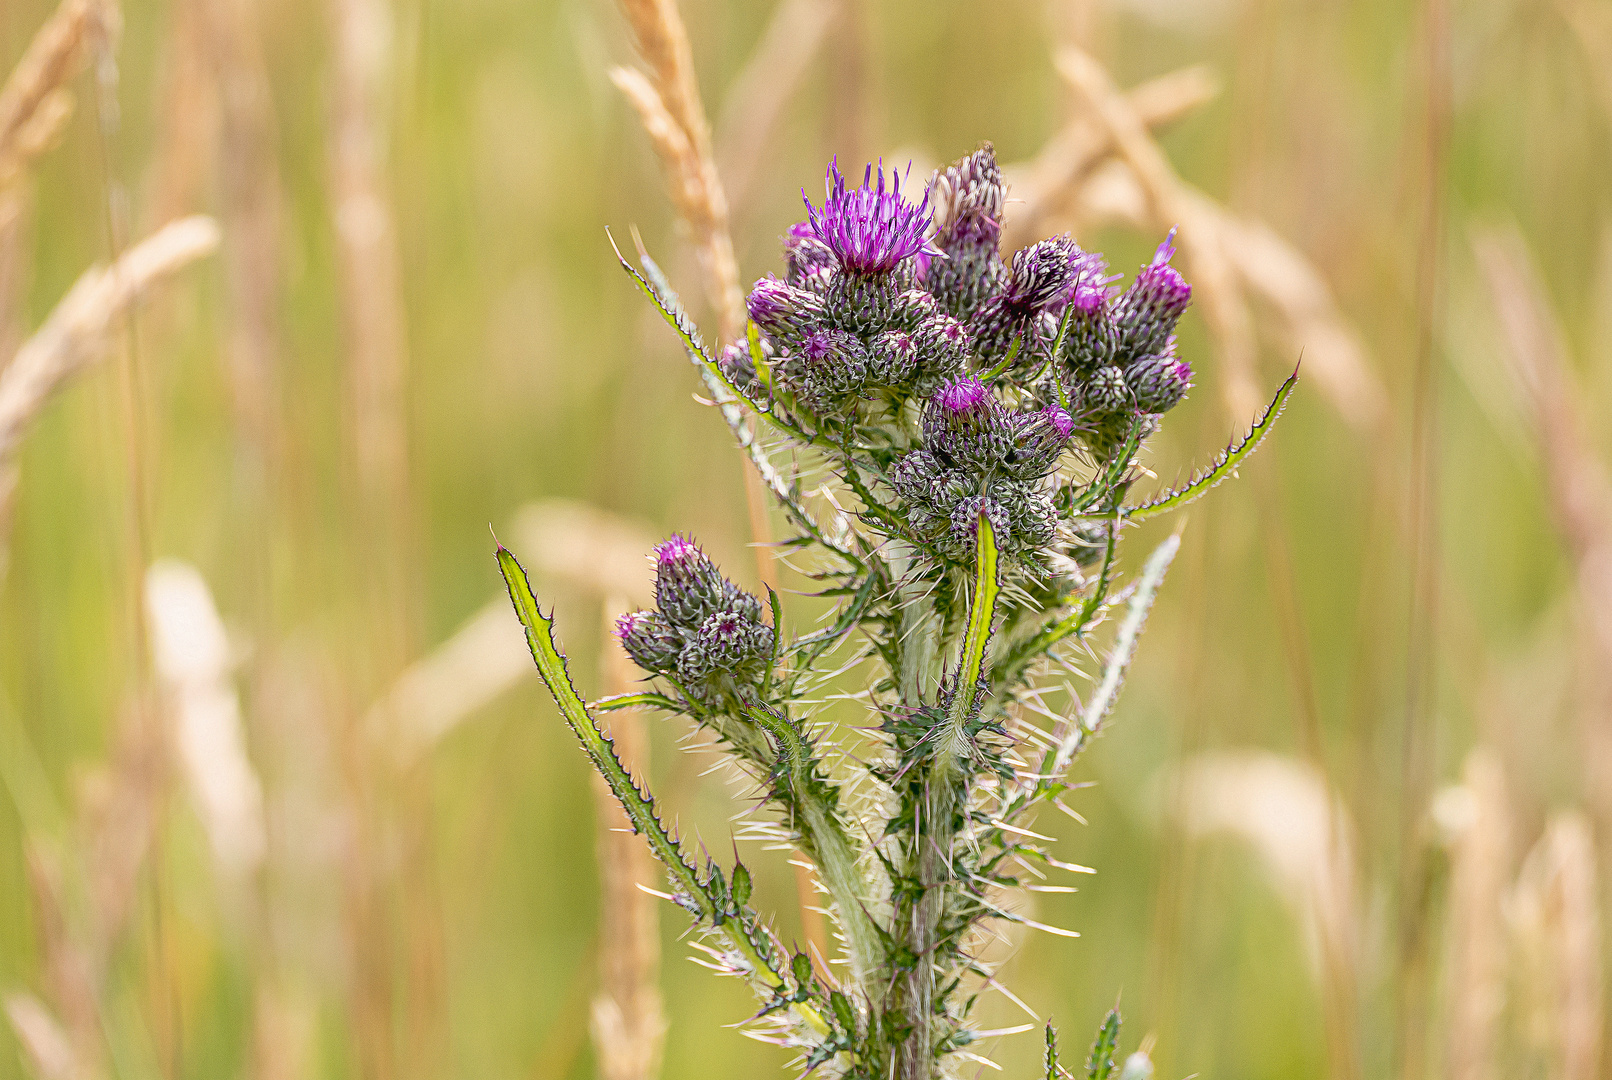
(1130, 632)
(646, 700)
(1225, 464)
(1053, 1070)
(1100, 1066)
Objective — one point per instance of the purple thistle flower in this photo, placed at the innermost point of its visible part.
(962, 396)
(871, 230)
(1151, 307)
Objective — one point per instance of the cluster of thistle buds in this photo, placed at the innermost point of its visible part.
(902, 316)
(705, 631)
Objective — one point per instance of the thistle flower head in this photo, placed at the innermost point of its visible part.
(1043, 273)
(1159, 382)
(1151, 307)
(870, 230)
(688, 586)
(962, 396)
(786, 312)
(649, 639)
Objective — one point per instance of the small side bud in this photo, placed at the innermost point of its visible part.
(1159, 382)
(785, 312)
(650, 640)
(833, 364)
(943, 346)
(963, 422)
(1039, 439)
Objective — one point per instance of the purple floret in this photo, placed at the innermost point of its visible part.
(871, 230)
(962, 396)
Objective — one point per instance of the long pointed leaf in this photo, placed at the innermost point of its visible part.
(1224, 465)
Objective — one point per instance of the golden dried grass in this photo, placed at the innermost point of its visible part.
(1478, 817)
(1576, 479)
(1555, 915)
(628, 1024)
(568, 543)
(78, 330)
(666, 98)
(194, 663)
(1091, 184)
(1287, 813)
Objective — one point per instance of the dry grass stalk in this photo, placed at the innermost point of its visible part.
(76, 332)
(1555, 915)
(1577, 481)
(667, 100)
(1044, 187)
(628, 1024)
(49, 1051)
(1592, 23)
(1287, 813)
(371, 275)
(33, 101)
(243, 137)
(756, 100)
(193, 662)
(1478, 817)
(1169, 204)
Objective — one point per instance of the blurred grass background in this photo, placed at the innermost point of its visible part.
(442, 919)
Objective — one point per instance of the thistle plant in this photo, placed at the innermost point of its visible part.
(964, 434)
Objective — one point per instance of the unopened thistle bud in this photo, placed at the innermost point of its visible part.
(964, 423)
(1091, 339)
(688, 586)
(785, 312)
(1107, 391)
(894, 360)
(832, 364)
(1148, 311)
(808, 262)
(942, 345)
(1039, 438)
(967, 197)
(1159, 382)
(739, 367)
(963, 537)
(649, 639)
